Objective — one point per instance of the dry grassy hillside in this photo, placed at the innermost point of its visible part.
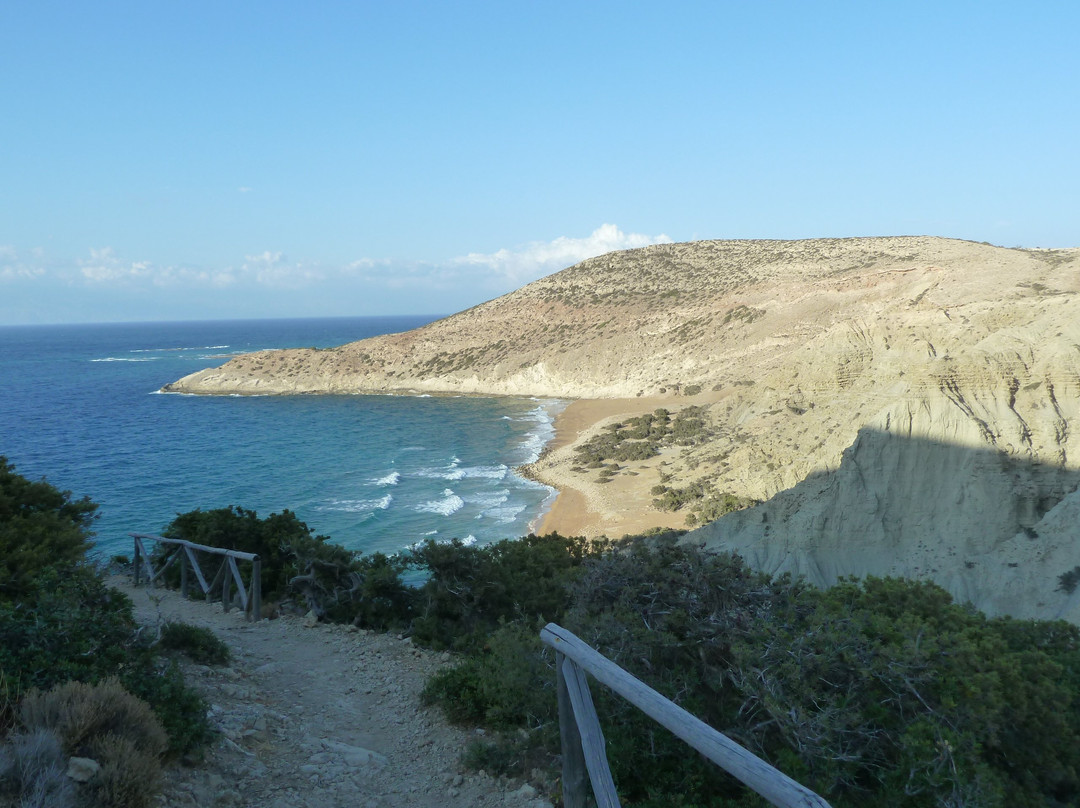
(791, 348)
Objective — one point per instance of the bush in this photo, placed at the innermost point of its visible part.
(33, 772)
(78, 713)
(72, 627)
(200, 644)
(107, 724)
(40, 527)
(875, 692)
(471, 590)
(284, 544)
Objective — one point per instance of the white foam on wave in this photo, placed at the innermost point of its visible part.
(468, 541)
(454, 471)
(543, 416)
(505, 514)
(174, 350)
(358, 505)
(393, 478)
(450, 503)
(127, 359)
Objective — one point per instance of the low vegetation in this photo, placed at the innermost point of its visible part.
(642, 437)
(77, 675)
(873, 692)
(702, 502)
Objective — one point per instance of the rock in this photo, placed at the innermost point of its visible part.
(82, 770)
(526, 792)
(311, 619)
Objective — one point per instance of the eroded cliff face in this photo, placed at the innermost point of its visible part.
(993, 529)
(901, 405)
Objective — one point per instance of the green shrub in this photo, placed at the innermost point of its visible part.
(40, 527)
(284, 544)
(471, 590)
(63, 624)
(72, 627)
(200, 644)
(370, 592)
(879, 692)
(181, 710)
(510, 683)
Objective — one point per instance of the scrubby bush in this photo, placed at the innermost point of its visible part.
(284, 544)
(704, 503)
(78, 713)
(642, 437)
(470, 591)
(40, 527)
(876, 692)
(200, 644)
(62, 623)
(33, 772)
(107, 724)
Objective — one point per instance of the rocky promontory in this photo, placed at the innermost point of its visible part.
(901, 405)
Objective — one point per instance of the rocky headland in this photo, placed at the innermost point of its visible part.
(896, 405)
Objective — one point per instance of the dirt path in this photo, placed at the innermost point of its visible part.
(319, 716)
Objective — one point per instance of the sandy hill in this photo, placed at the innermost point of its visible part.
(915, 398)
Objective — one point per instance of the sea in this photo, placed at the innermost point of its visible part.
(80, 406)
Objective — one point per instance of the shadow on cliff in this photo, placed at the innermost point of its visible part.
(993, 529)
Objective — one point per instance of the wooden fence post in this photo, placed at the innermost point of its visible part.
(574, 775)
(256, 589)
(183, 572)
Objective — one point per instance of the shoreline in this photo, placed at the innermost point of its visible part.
(579, 508)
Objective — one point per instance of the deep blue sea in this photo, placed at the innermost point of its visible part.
(79, 406)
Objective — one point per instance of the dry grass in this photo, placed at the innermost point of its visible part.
(102, 722)
(32, 772)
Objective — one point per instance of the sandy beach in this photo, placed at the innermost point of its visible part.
(584, 507)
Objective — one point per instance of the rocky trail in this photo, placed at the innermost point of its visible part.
(319, 716)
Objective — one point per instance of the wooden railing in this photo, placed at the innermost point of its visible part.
(228, 573)
(583, 752)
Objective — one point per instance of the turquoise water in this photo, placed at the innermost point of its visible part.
(79, 405)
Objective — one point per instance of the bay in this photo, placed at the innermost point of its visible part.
(79, 406)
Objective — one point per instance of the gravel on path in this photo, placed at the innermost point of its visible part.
(313, 715)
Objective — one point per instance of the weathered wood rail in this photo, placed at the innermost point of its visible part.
(228, 573)
(583, 749)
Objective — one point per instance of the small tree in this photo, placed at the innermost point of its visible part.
(40, 527)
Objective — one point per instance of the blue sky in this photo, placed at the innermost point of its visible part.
(203, 160)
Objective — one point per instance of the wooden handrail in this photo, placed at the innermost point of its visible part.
(227, 574)
(583, 742)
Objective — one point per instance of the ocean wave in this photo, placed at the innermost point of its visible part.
(173, 350)
(454, 471)
(358, 505)
(505, 515)
(540, 435)
(393, 478)
(127, 359)
(228, 355)
(450, 503)
(468, 541)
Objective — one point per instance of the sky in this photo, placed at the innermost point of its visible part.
(207, 160)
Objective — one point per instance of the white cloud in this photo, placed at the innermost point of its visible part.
(274, 269)
(12, 267)
(244, 189)
(104, 267)
(538, 258)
